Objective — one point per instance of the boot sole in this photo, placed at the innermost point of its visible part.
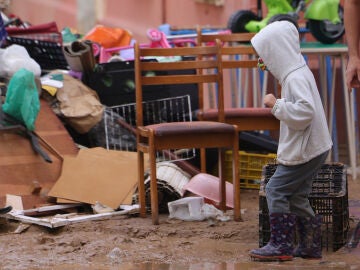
(309, 257)
(280, 258)
(5, 210)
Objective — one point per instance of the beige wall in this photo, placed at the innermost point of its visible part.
(134, 15)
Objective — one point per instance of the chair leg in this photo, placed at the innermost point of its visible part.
(153, 186)
(141, 184)
(222, 186)
(236, 180)
(203, 160)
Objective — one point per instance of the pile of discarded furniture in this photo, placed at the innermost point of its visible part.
(117, 124)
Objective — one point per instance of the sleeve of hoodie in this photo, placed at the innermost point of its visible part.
(296, 109)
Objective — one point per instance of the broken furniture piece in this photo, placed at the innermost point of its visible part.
(20, 166)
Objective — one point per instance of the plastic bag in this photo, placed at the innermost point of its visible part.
(79, 104)
(22, 98)
(14, 58)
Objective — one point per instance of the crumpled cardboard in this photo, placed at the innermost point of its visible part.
(98, 175)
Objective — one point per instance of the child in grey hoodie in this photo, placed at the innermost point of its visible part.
(304, 143)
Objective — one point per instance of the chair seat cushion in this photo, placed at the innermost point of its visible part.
(195, 127)
(238, 112)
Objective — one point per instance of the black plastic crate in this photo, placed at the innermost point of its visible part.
(49, 55)
(114, 83)
(329, 197)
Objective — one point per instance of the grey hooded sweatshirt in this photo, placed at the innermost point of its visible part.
(304, 133)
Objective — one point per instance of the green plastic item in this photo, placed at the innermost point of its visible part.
(324, 10)
(274, 7)
(316, 10)
(68, 36)
(22, 98)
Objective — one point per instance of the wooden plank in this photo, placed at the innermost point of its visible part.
(20, 165)
(62, 220)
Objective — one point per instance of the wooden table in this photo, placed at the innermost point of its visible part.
(328, 54)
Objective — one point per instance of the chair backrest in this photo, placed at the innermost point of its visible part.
(234, 45)
(239, 62)
(235, 38)
(188, 66)
(238, 55)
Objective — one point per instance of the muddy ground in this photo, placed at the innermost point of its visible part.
(174, 244)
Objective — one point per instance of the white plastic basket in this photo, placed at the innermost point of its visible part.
(120, 124)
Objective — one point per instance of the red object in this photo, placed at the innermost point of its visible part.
(40, 28)
(46, 32)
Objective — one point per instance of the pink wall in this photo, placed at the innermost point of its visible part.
(134, 15)
(37, 11)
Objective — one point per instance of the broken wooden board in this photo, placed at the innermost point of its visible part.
(20, 166)
(98, 175)
(63, 220)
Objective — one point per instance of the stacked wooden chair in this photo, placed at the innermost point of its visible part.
(234, 47)
(214, 133)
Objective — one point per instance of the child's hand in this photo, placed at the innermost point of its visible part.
(269, 100)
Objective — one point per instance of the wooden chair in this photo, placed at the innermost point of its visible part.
(234, 46)
(180, 135)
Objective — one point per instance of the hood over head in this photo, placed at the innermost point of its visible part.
(279, 47)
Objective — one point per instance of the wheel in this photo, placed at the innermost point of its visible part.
(283, 17)
(327, 32)
(239, 19)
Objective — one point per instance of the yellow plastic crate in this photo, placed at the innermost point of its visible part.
(250, 167)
